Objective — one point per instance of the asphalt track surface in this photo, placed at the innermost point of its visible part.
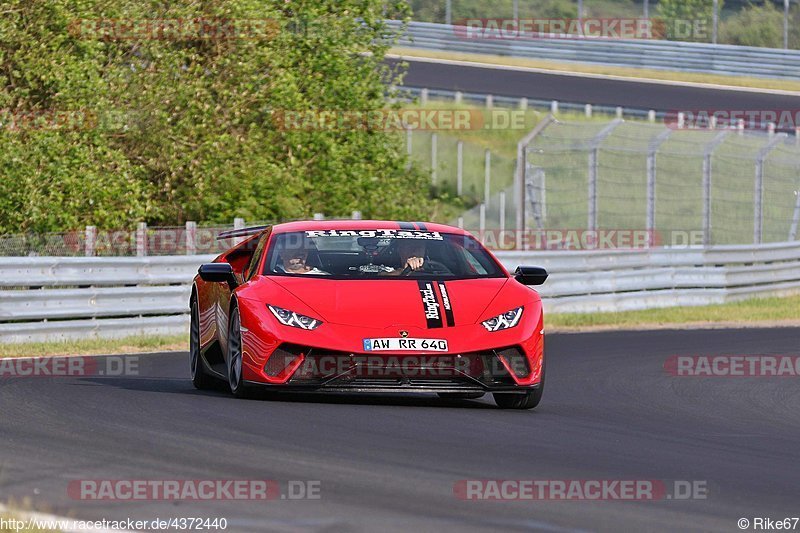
(597, 91)
(389, 463)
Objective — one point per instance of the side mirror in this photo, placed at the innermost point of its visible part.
(530, 275)
(218, 273)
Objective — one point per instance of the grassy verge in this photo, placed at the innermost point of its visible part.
(756, 312)
(753, 312)
(625, 72)
(97, 346)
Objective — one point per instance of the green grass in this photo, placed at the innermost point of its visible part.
(753, 312)
(587, 68)
(97, 346)
(750, 312)
(562, 152)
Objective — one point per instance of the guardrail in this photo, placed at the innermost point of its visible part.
(664, 55)
(50, 298)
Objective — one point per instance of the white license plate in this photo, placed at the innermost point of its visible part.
(392, 344)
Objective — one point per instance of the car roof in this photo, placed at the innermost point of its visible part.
(304, 225)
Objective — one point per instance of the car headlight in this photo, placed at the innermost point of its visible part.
(290, 318)
(506, 320)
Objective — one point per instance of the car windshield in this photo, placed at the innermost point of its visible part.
(378, 253)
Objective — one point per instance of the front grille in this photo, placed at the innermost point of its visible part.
(325, 367)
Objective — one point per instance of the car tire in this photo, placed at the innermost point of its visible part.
(201, 379)
(515, 400)
(235, 365)
(460, 395)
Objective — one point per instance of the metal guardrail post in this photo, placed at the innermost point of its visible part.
(141, 239)
(89, 241)
(652, 150)
(519, 175)
(758, 211)
(707, 152)
(594, 153)
(191, 237)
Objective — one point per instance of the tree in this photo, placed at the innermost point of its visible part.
(687, 20)
(182, 126)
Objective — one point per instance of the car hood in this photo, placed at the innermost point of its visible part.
(396, 302)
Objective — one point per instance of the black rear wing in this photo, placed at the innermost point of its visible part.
(242, 232)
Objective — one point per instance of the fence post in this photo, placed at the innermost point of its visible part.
(89, 241)
(651, 180)
(651, 115)
(459, 96)
(191, 237)
(461, 222)
(356, 215)
(519, 176)
(587, 109)
(758, 211)
(795, 218)
(594, 152)
(434, 157)
(487, 176)
(482, 221)
(554, 107)
(319, 216)
(238, 223)
(489, 101)
(459, 168)
(409, 147)
(619, 111)
(141, 239)
(502, 211)
(707, 152)
(423, 96)
(523, 103)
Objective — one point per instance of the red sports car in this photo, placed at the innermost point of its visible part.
(367, 306)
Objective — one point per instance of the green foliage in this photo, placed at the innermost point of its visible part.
(185, 129)
(687, 20)
(754, 26)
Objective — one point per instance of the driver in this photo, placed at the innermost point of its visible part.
(412, 256)
(294, 262)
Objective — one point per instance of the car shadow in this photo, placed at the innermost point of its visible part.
(220, 391)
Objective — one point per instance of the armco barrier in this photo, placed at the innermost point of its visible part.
(48, 298)
(652, 54)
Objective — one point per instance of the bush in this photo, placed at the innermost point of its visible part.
(185, 129)
(754, 26)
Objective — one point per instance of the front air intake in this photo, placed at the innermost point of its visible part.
(515, 361)
(282, 358)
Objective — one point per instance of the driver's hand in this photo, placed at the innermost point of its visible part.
(415, 263)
